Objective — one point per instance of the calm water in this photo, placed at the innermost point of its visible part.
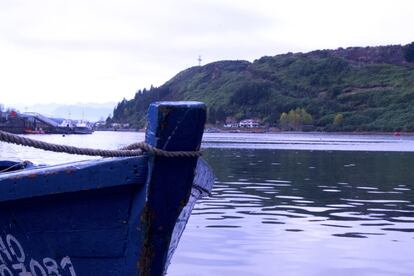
(290, 204)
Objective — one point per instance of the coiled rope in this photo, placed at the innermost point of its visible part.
(135, 149)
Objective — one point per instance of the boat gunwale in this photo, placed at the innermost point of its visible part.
(56, 179)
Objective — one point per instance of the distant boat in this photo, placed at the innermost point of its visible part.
(113, 216)
(66, 126)
(67, 123)
(83, 127)
(72, 127)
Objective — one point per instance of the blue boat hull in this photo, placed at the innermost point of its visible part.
(76, 228)
(115, 216)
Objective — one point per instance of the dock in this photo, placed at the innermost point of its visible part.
(36, 123)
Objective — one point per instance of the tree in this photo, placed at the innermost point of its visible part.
(338, 120)
(295, 119)
(292, 119)
(408, 51)
(307, 119)
(126, 112)
(334, 92)
(283, 121)
(211, 115)
(220, 114)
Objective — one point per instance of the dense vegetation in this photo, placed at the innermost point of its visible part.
(353, 89)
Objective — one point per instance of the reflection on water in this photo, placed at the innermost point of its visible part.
(303, 213)
(289, 212)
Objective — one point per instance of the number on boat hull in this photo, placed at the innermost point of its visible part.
(15, 261)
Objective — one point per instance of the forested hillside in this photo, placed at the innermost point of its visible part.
(353, 89)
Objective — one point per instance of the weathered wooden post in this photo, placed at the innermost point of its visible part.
(172, 126)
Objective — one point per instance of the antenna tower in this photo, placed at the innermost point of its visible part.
(199, 60)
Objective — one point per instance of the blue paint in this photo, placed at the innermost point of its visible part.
(114, 216)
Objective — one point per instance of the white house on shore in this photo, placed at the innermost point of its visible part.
(231, 125)
(249, 123)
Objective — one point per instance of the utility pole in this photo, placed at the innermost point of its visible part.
(199, 60)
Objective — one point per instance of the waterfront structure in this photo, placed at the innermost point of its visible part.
(249, 123)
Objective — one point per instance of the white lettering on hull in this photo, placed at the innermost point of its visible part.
(13, 261)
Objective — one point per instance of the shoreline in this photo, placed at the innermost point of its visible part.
(263, 131)
(243, 131)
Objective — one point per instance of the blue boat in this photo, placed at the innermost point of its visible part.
(112, 216)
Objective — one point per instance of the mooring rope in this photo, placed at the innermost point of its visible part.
(135, 149)
(19, 165)
(12, 167)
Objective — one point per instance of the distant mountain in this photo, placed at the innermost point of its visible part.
(87, 111)
(352, 89)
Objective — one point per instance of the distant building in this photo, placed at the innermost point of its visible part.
(249, 123)
(3, 117)
(100, 124)
(231, 123)
(116, 126)
(13, 122)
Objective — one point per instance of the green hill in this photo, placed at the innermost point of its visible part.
(353, 89)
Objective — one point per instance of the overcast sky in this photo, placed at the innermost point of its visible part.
(97, 51)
